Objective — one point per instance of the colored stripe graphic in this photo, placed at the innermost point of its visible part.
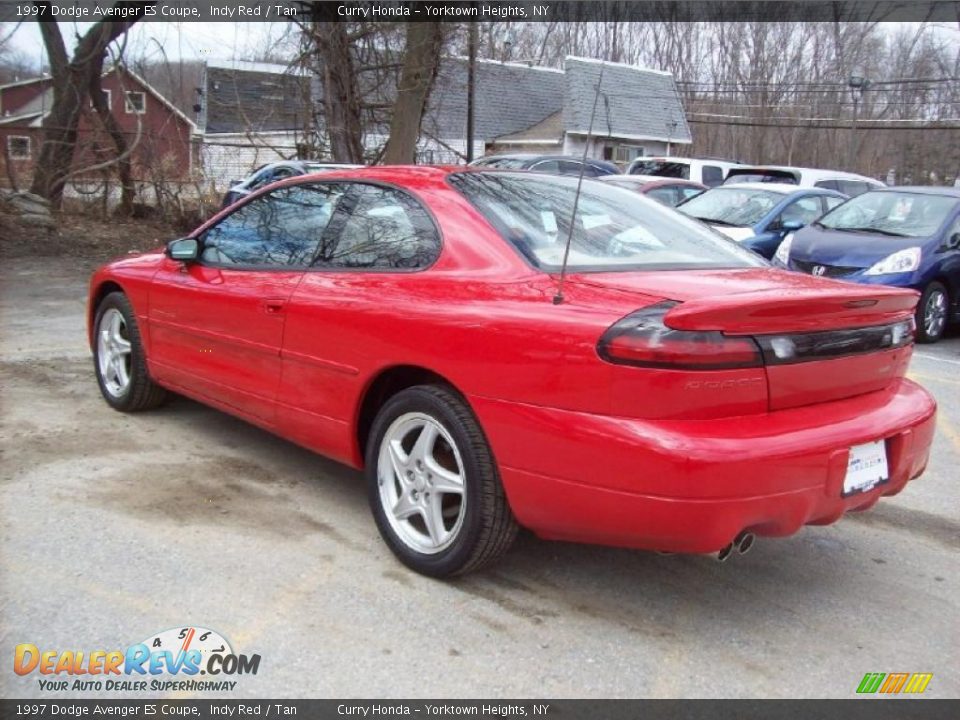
(894, 682)
(871, 682)
(918, 683)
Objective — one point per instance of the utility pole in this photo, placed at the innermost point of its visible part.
(471, 84)
(857, 84)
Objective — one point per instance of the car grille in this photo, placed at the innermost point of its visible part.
(828, 270)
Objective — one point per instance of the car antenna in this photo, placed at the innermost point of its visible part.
(558, 297)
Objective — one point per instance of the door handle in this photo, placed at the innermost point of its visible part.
(273, 306)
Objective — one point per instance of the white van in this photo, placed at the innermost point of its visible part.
(701, 170)
(847, 183)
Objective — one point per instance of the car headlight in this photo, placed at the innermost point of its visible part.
(782, 255)
(899, 262)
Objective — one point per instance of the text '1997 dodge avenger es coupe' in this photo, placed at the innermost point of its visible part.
(672, 392)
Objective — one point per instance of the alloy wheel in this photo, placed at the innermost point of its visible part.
(421, 483)
(114, 353)
(935, 314)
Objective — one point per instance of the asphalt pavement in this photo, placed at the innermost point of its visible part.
(116, 527)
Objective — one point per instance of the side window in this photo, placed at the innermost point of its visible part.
(805, 210)
(280, 229)
(570, 167)
(826, 184)
(852, 187)
(384, 229)
(688, 192)
(830, 202)
(547, 166)
(712, 175)
(666, 195)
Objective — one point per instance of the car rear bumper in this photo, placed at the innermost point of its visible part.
(693, 486)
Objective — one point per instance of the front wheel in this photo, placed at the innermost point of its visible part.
(119, 359)
(932, 312)
(433, 484)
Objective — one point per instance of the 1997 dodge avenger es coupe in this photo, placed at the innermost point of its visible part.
(675, 393)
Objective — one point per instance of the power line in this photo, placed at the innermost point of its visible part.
(788, 126)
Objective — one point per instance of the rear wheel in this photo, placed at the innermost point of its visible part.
(119, 359)
(932, 312)
(433, 484)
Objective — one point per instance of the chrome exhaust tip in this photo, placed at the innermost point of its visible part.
(744, 541)
(726, 552)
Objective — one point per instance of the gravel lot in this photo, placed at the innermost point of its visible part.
(116, 527)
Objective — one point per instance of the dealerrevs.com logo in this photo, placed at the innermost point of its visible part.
(182, 653)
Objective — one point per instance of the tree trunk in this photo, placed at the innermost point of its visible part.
(71, 84)
(420, 63)
(110, 124)
(341, 100)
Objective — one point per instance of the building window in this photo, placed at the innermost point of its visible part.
(136, 103)
(18, 147)
(106, 99)
(627, 153)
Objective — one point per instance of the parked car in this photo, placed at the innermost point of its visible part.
(551, 164)
(674, 393)
(759, 215)
(903, 236)
(266, 174)
(669, 192)
(706, 171)
(850, 184)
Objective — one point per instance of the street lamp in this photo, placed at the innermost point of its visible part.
(857, 83)
(671, 126)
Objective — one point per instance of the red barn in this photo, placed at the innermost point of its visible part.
(159, 134)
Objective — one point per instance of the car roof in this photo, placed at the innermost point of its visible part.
(942, 190)
(780, 188)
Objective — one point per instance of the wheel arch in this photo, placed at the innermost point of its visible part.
(97, 295)
(383, 386)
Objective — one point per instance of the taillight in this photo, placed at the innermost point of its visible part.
(642, 339)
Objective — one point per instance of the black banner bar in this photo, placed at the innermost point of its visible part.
(876, 708)
(484, 10)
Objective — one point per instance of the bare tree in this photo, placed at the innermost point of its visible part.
(420, 63)
(72, 81)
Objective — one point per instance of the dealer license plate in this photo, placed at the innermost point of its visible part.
(866, 467)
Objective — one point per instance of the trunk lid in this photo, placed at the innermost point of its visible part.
(829, 328)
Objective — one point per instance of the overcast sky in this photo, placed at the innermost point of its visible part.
(191, 41)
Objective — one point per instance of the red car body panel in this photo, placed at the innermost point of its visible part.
(588, 450)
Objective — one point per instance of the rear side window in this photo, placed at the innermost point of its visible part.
(827, 184)
(712, 175)
(852, 187)
(379, 229)
(666, 195)
(831, 202)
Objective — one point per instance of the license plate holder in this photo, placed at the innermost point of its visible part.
(867, 467)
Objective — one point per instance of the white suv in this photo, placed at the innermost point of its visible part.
(704, 171)
(848, 183)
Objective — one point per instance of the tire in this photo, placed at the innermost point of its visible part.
(422, 440)
(933, 311)
(119, 360)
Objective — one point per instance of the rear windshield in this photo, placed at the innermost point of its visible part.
(762, 176)
(614, 229)
(661, 168)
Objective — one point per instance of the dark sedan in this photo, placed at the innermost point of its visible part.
(550, 164)
(907, 237)
(266, 174)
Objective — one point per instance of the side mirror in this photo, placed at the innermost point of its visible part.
(791, 225)
(953, 242)
(185, 250)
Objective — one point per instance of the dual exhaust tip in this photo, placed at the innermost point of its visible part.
(741, 543)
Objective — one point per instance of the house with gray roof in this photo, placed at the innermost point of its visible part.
(253, 113)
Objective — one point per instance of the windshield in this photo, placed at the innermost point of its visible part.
(731, 206)
(614, 229)
(661, 168)
(891, 213)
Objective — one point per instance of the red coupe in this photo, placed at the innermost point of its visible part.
(672, 392)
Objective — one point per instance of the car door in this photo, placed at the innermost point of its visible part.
(348, 313)
(216, 325)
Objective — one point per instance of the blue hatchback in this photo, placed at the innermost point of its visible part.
(905, 236)
(759, 215)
